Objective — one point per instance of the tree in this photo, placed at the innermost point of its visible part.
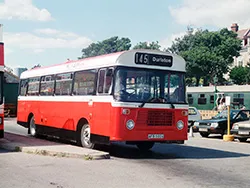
(36, 66)
(208, 54)
(146, 45)
(111, 45)
(240, 75)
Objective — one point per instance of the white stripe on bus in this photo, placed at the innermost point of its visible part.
(101, 99)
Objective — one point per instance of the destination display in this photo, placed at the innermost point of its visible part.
(153, 59)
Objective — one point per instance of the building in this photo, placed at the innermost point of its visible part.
(18, 71)
(244, 36)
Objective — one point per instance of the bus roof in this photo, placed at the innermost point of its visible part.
(131, 58)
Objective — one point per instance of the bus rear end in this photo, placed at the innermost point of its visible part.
(1, 83)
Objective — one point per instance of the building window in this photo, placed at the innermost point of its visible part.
(84, 82)
(212, 99)
(202, 99)
(190, 99)
(64, 84)
(33, 86)
(238, 98)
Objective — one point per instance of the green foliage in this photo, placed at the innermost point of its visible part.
(208, 54)
(145, 45)
(111, 45)
(240, 75)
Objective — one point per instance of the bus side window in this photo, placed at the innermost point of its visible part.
(108, 81)
(47, 85)
(23, 87)
(105, 81)
(84, 82)
(101, 77)
(64, 84)
(33, 86)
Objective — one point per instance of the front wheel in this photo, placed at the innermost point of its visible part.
(242, 139)
(85, 137)
(145, 146)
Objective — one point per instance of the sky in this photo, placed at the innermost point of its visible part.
(48, 32)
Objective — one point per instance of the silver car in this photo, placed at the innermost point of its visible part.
(241, 130)
(193, 115)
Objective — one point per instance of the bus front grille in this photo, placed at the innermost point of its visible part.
(155, 118)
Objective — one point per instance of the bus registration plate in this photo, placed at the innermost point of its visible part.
(155, 136)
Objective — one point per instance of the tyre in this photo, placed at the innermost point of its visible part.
(242, 139)
(32, 127)
(203, 134)
(145, 146)
(84, 139)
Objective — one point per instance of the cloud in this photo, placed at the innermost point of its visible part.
(219, 13)
(49, 31)
(54, 40)
(23, 10)
(167, 42)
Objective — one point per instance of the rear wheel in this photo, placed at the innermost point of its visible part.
(145, 146)
(32, 126)
(242, 139)
(84, 140)
(204, 134)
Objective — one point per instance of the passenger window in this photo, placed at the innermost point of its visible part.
(84, 82)
(47, 85)
(105, 78)
(33, 86)
(23, 87)
(101, 81)
(63, 84)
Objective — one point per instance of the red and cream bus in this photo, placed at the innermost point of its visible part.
(1, 82)
(136, 96)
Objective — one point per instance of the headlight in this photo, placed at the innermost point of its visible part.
(235, 126)
(214, 125)
(196, 123)
(130, 124)
(180, 125)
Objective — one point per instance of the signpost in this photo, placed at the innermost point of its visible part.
(228, 137)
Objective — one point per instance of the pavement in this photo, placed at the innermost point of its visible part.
(26, 144)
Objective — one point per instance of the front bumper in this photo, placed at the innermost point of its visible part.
(210, 130)
(241, 133)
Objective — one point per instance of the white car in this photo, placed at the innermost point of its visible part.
(193, 115)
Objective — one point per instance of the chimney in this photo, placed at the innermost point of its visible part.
(235, 27)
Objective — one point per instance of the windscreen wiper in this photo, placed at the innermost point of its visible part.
(142, 104)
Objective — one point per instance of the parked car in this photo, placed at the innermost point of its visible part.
(193, 115)
(218, 123)
(241, 130)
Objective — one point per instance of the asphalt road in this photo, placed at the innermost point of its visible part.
(200, 162)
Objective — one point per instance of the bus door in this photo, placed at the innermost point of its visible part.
(102, 107)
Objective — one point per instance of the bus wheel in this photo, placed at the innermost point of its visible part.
(85, 137)
(32, 126)
(145, 146)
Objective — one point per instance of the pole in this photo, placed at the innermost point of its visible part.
(228, 120)
(227, 137)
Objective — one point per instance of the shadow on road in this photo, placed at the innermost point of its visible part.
(168, 151)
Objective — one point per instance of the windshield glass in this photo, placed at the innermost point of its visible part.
(223, 114)
(140, 85)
